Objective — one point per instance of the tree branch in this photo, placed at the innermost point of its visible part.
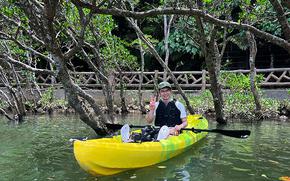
(7, 99)
(281, 18)
(6, 115)
(191, 12)
(25, 66)
(28, 32)
(224, 44)
(92, 65)
(159, 59)
(84, 21)
(24, 47)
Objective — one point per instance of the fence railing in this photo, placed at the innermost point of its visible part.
(275, 77)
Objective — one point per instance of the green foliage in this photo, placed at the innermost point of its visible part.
(238, 82)
(13, 12)
(136, 43)
(61, 103)
(3, 104)
(270, 105)
(260, 13)
(8, 9)
(29, 104)
(116, 53)
(239, 101)
(29, 76)
(242, 106)
(99, 32)
(240, 95)
(240, 40)
(48, 101)
(285, 104)
(202, 102)
(180, 40)
(207, 1)
(288, 91)
(272, 27)
(47, 98)
(113, 50)
(239, 105)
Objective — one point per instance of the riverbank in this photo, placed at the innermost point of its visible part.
(241, 105)
(238, 105)
(271, 110)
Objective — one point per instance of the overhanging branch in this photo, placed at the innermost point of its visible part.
(25, 66)
(24, 47)
(187, 12)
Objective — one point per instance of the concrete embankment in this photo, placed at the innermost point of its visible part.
(132, 95)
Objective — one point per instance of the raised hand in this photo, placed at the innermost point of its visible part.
(152, 103)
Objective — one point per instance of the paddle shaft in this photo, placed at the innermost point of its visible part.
(230, 133)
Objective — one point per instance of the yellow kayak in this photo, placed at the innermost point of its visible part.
(108, 156)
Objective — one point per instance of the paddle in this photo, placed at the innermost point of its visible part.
(231, 133)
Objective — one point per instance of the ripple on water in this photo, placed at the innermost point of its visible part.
(39, 150)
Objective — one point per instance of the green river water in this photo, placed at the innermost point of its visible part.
(39, 150)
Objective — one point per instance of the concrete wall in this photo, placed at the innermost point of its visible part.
(132, 95)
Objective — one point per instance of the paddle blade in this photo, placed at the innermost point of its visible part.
(233, 133)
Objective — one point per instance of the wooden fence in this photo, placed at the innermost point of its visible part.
(276, 77)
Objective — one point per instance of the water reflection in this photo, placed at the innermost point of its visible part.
(39, 150)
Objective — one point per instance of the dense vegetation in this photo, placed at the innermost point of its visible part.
(54, 38)
(239, 102)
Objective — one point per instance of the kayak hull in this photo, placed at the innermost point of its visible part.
(108, 156)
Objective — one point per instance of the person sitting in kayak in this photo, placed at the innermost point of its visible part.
(167, 111)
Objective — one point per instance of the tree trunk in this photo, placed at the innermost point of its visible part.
(43, 23)
(83, 103)
(108, 85)
(106, 79)
(13, 106)
(156, 91)
(19, 96)
(17, 101)
(108, 91)
(272, 59)
(282, 19)
(213, 60)
(124, 109)
(253, 53)
(165, 67)
(286, 3)
(6, 115)
(29, 80)
(167, 25)
(140, 94)
(215, 87)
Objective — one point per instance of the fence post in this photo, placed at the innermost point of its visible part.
(203, 86)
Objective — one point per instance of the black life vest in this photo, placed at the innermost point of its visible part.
(167, 115)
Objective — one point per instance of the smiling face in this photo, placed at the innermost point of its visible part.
(165, 94)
